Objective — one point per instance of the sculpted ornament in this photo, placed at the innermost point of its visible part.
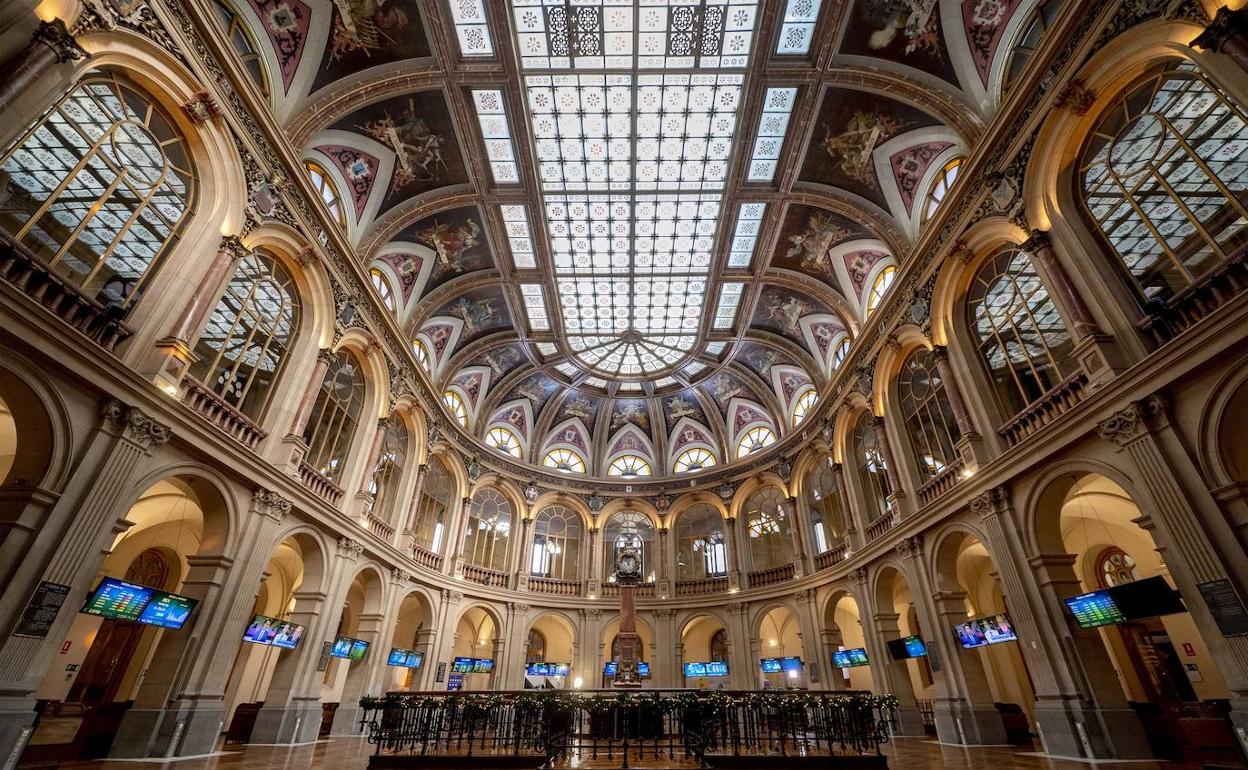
(451, 597)
(400, 575)
(134, 425)
(266, 502)
(910, 546)
(995, 500)
(350, 549)
(1126, 425)
(859, 575)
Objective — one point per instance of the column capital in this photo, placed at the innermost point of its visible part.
(1133, 421)
(134, 424)
(1226, 25)
(349, 548)
(55, 35)
(400, 576)
(910, 546)
(270, 504)
(991, 503)
(519, 608)
(451, 597)
(325, 356)
(1037, 240)
(233, 246)
(665, 613)
(859, 576)
(736, 608)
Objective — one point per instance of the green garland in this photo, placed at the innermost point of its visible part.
(602, 703)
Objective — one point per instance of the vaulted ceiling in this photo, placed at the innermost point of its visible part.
(633, 225)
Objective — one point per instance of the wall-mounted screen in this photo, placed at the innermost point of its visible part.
(708, 668)
(349, 648)
(167, 610)
(273, 631)
(405, 658)
(119, 600)
(978, 632)
(850, 658)
(472, 665)
(1137, 600)
(770, 665)
(791, 666)
(907, 647)
(643, 669)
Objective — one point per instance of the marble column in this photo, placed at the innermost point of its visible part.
(855, 527)
(896, 501)
(795, 533)
(970, 445)
(296, 449)
(364, 498)
(51, 44)
(734, 555)
(663, 584)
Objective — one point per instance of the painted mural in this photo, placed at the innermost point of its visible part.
(760, 358)
(537, 388)
(681, 405)
(903, 31)
(457, 241)
(724, 387)
(286, 24)
(501, 360)
(629, 411)
(807, 235)
(910, 165)
(582, 406)
(985, 22)
(407, 267)
(482, 311)
(358, 168)
(858, 265)
(369, 33)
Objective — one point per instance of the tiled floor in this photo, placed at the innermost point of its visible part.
(353, 753)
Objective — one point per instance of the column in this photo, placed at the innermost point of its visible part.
(970, 444)
(740, 668)
(896, 501)
(795, 532)
(68, 552)
(460, 522)
(444, 642)
(663, 584)
(362, 673)
(831, 641)
(855, 527)
(293, 441)
(363, 497)
(524, 556)
(51, 44)
(662, 673)
(890, 676)
(593, 585)
(1227, 34)
(817, 664)
(734, 555)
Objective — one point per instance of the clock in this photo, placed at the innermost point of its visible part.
(627, 563)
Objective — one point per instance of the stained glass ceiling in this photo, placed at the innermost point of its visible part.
(632, 109)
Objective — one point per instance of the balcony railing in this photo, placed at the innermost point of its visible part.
(544, 585)
(426, 558)
(319, 485)
(1172, 316)
(485, 576)
(833, 556)
(941, 483)
(644, 590)
(36, 279)
(224, 417)
(771, 576)
(380, 528)
(715, 585)
(881, 525)
(1063, 397)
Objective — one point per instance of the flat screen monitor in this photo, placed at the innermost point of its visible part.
(118, 599)
(1137, 600)
(461, 666)
(695, 669)
(398, 657)
(856, 656)
(979, 632)
(716, 668)
(349, 648)
(359, 648)
(482, 665)
(537, 669)
(288, 635)
(415, 659)
(791, 666)
(262, 630)
(770, 665)
(167, 610)
(907, 647)
(643, 669)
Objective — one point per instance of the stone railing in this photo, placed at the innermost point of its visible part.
(700, 587)
(1172, 316)
(771, 576)
(881, 525)
(224, 417)
(833, 556)
(485, 576)
(1060, 399)
(36, 279)
(942, 482)
(426, 558)
(611, 590)
(319, 485)
(543, 585)
(380, 528)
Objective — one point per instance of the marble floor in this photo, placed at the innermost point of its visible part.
(353, 753)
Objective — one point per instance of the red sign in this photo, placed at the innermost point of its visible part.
(65, 648)
(1189, 650)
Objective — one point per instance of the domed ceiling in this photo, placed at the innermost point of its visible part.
(632, 226)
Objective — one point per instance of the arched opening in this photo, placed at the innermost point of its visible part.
(823, 501)
(842, 633)
(413, 635)
(556, 548)
(629, 528)
(904, 668)
(611, 653)
(782, 663)
(769, 533)
(437, 494)
(476, 640)
(551, 641)
(355, 645)
(704, 640)
(487, 534)
(701, 548)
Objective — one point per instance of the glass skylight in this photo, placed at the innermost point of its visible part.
(519, 235)
(547, 348)
(749, 222)
(535, 306)
(729, 298)
(492, 115)
(715, 348)
(632, 107)
(777, 104)
(472, 28)
(799, 26)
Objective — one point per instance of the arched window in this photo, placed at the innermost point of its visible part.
(334, 416)
(754, 440)
(827, 520)
(422, 353)
(767, 529)
(504, 441)
(243, 42)
(1022, 338)
(718, 649)
(1163, 177)
(383, 289)
(1029, 41)
(628, 528)
(694, 459)
(879, 287)
(941, 185)
(1115, 567)
(564, 461)
(804, 404)
(455, 403)
(929, 418)
(437, 493)
(700, 549)
(245, 342)
(535, 650)
(384, 486)
(869, 458)
(325, 188)
(556, 544)
(100, 187)
(488, 530)
(629, 466)
(842, 350)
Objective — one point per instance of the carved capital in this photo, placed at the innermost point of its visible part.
(325, 356)
(134, 425)
(801, 597)
(1128, 424)
(451, 597)
(665, 613)
(234, 247)
(400, 576)
(736, 608)
(268, 503)
(1037, 241)
(1076, 97)
(910, 546)
(990, 503)
(961, 252)
(519, 609)
(349, 548)
(55, 35)
(201, 108)
(1226, 24)
(859, 576)
(592, 614)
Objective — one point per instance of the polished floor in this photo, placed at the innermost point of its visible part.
(353, 753)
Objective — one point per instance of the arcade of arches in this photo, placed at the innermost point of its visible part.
(395, 322)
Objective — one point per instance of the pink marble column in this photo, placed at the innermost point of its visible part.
(51, 44)
(1227, 33)
(952, 393)
(203, 301)
(374, 454)
(414, 509)
(890, 462)
(323, 360)
(1082, 322)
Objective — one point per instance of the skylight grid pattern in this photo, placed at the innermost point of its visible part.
(674, 233)
(590, 234)
(798, 28)
(777, 105)
(519, 235)
(472, 28)
(535, 306)
(593, 308)
(582, 130)
(684, 129)
(726, 310)
(492, 117)
(745, 234)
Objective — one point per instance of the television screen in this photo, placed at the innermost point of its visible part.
(643, 669)
(791, 665)
(850, 658)
(482, 665)
(167, 610)
(978, 632)
(262, 630)
(695, 669)
(716, 668)
(415, 659)
(397, 657)
(118, 599)
(770, 665)
(537, 669)
(342, 647)
(359, 648)
(907, 647)
(461, 666)
(560, 669)
(1147, 598)
(288, 635)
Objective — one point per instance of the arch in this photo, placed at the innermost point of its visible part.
(39, 430)
(222, 522)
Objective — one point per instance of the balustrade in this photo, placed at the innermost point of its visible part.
(221, 415)
(380, 528)
(485, 576)
(611, 590)
(426, 558)
(833, 556)
(881, 525)
(699, 587)
(942, 482)
(1172, 316)
(771, 576)
(543, 585)
(1063, 397)
(319, 485)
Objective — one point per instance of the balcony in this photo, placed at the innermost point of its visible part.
(611, 590)
(37, 280)
(941, 483)
(319, 485)
(877, 528)
(380, 528)
(221, 415)
(833, 556)
(544, 585)
(1063, 397)
(767, 577)
(715, 585)
(485, 576)
(426, 558)
(1172, 316)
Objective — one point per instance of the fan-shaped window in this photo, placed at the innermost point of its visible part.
(929, 418)
(700, 549)
(488, 531)
(564, 461)
(754, 440)
(455, 403)
(838, 355)
(437, 493)
(100, 187)
(556, 544)
(941, 185)
(422, 353)
(1164, 178)
(334, 416)
(628, 528)
(767, 529)
(329, 193)
(803, 406)
(1022, 338)
(243, 42)
(1115, 567)
(823, 498)
(384, 486)
(868, 441)
(245, 342)
(629, 466)
(692, 460)
(504, 441)
(383, 289)
(879, 287)
(1029, 41)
